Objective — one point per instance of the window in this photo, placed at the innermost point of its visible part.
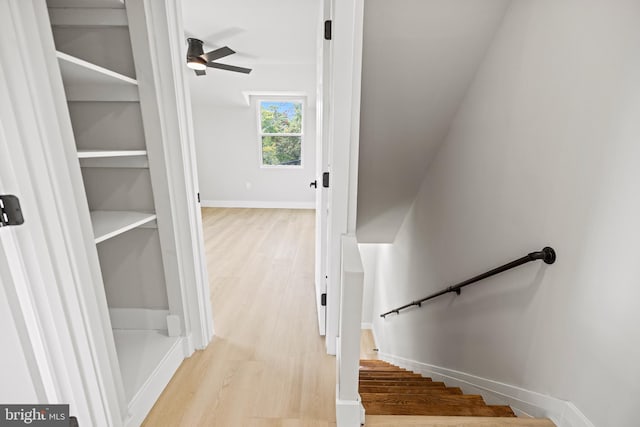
(280, 133)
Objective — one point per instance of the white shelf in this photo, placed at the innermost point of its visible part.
(84, 81)
(113, 158)
(93, 154)
(108, 224)
(140, 353)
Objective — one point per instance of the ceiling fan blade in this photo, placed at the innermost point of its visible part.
(218, 53)
(229, 67)
(200, 72)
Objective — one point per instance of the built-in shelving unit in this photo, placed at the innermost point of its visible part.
(126, 193)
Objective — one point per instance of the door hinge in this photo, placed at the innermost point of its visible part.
(10, 211)
(198, 197)
(327, 29)
(323, 300)
(325, 179)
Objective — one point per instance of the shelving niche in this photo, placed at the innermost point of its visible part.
(124, 180)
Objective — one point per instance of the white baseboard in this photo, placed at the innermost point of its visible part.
(146, 397)
(257, 204)
(349, 413)
(138, 318)
(524, 402)
(366, 325)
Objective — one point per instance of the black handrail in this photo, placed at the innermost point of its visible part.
(547, 254)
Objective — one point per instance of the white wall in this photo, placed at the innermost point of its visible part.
(369, 255)
(419, 57)
(544, 151)
(228, 152)
(277, 40)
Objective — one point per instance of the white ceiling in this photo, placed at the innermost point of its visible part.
(419, 57)
(276, 38)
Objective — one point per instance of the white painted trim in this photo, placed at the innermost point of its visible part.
(201, 318)
(157, 39)
(249, 94)
(146, 397)
(349, 413)
(323, 103)
(348, 349)
(366, 325)
(524, 402)
(345, 94)
(257, 204)
(138, 318)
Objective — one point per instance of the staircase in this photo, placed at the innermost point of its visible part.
(387, 390)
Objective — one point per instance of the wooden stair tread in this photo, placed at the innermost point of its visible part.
(401, 383)
(427, 399)
(376, 368)
(402, 380)
(375, 408)
(409, 389)
(438, 421)
(389, 375)
(394, 377)
(375, 362)
(386, 389)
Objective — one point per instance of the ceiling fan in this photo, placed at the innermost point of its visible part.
(198, 61)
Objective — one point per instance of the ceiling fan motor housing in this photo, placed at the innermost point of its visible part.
(196, 49)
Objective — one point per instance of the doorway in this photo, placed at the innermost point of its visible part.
(286, 50)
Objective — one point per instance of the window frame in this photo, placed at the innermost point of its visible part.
(295, 99)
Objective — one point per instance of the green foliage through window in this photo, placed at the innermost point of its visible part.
(281, 132)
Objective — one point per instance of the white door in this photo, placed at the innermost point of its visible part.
(25, 358)
(323, 109)
(19, 361)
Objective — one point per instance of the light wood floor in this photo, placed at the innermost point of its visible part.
(267, 365)
(367, 345)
